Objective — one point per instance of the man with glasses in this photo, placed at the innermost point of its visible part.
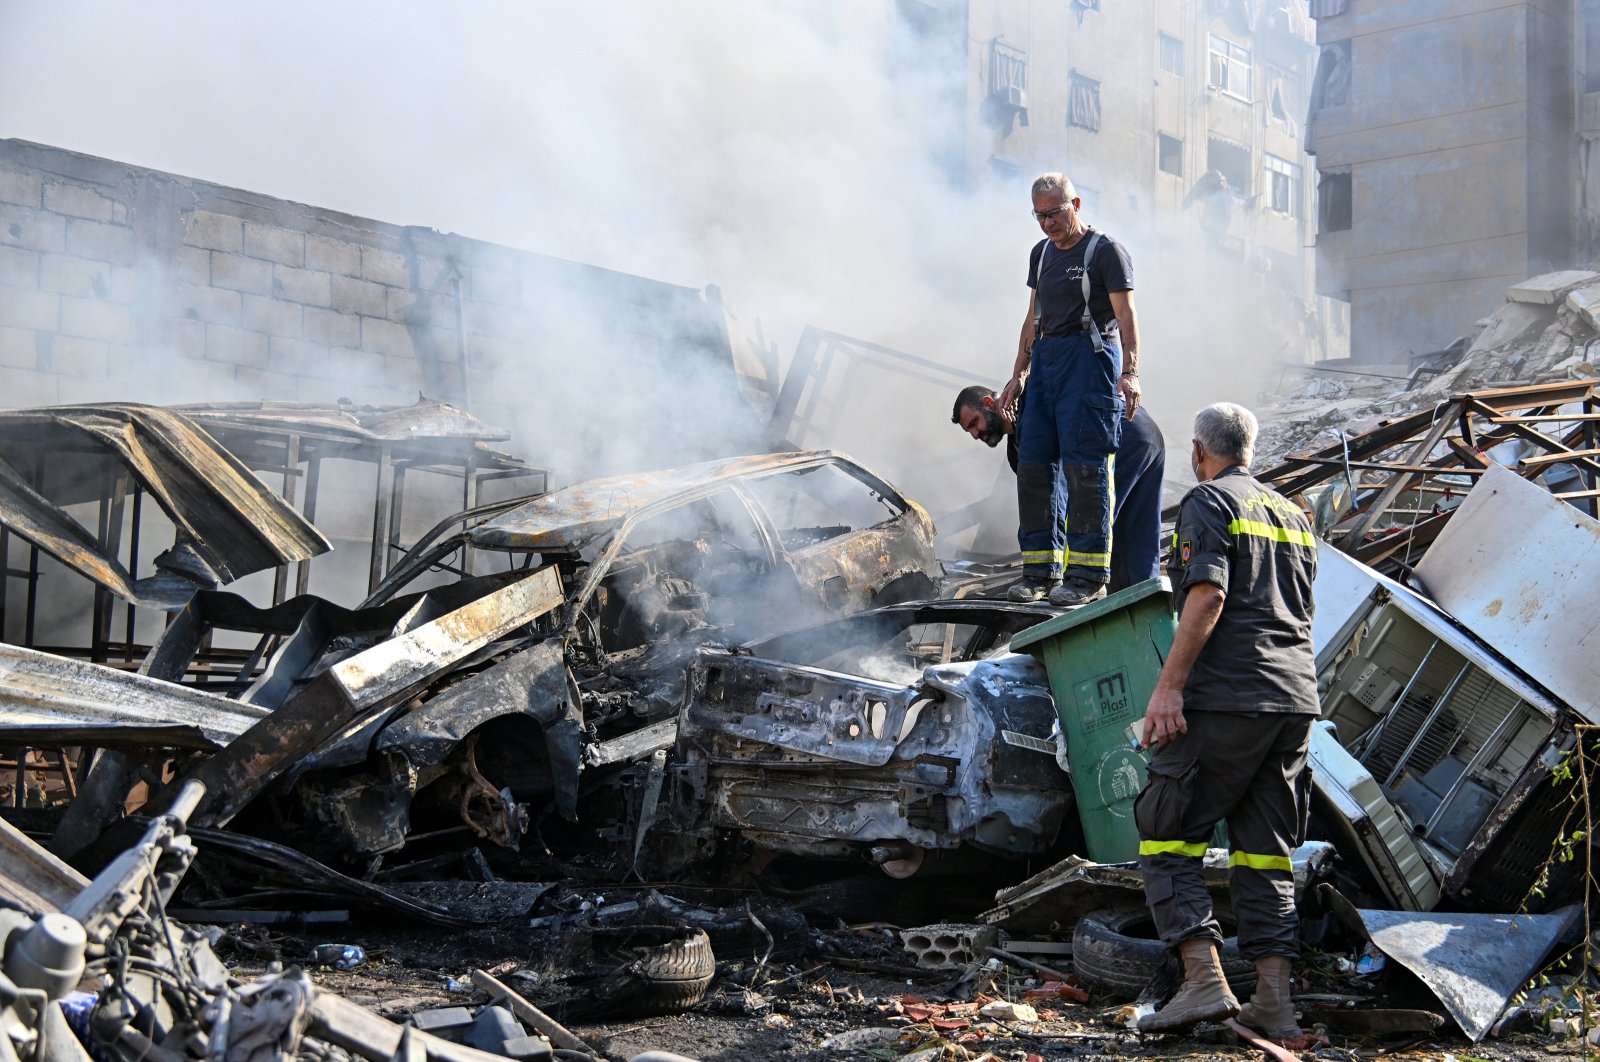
(1079, 352)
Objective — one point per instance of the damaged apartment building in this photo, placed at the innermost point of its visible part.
(1453, 147)
(1190, 115)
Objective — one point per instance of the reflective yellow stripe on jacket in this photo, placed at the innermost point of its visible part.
(1261, 529)
(1193, 849)
(1256, 861)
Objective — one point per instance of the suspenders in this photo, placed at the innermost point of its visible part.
(1088, 319)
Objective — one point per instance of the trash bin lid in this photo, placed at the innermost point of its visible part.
(1022, 642)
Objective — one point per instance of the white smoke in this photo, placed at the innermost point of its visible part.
(791, 151)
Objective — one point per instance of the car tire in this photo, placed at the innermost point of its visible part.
(665, 977)
(674, 976)
(1116, 951)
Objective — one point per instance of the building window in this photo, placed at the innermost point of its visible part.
(1283, 185)
(1008, 75)
(1083, 106)
(1333, 202)
(1232, 162)
(1331, 85)
(1171, 54)
(1230, 68)
(1169, 154)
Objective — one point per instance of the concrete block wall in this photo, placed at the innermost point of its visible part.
(124, 283)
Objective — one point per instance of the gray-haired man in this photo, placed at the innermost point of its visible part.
(1232, 714)
(1080, 343)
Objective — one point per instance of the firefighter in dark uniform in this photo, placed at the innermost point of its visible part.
(1136, 482)
(1231, 716)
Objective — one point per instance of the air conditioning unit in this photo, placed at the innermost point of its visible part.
(1013, 97)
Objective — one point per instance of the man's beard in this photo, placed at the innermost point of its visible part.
(993, 429)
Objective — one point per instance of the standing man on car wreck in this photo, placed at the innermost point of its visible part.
(1231, 715)
(1079, 350)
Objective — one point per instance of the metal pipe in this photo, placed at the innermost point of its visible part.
(130, 620)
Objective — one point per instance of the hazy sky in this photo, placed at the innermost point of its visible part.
(752, 143)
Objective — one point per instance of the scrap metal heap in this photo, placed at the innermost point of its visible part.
(1383, 495)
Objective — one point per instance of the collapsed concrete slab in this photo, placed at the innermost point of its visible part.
(1550, 288)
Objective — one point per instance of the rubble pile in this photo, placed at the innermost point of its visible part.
(1542, 333)
(724, 751)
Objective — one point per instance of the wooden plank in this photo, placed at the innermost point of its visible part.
(1538, 418)
(1550, 459)
(1376, 510)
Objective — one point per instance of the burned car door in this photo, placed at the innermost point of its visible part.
(849, 539)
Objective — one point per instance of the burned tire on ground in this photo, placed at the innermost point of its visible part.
(1117, 951)
(660, 978)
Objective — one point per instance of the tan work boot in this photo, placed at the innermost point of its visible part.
(1270, 1009)
(1203, 996)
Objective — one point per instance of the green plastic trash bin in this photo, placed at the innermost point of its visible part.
(1103, 660)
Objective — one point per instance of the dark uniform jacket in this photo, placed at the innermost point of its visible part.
(1258, 546)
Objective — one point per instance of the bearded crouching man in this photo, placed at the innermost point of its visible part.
(1231, 716)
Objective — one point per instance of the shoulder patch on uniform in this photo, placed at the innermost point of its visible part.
(1185, 550)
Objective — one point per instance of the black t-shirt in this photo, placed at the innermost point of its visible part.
(1060, 283)
(1258, 546)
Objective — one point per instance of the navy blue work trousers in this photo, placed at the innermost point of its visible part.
(1067, 437)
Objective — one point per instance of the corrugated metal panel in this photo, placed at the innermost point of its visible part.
(53, 700)
(228, 516)
(1521, 570)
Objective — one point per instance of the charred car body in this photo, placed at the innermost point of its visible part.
(636, 571)
(886, 736)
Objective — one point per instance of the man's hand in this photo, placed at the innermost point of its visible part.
(1007, 403)
(1131, 392)
(1163, 719)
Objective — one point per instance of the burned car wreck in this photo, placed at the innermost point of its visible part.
(525, 685)
(886, 736)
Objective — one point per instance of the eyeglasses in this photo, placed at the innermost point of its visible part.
(1048, 214)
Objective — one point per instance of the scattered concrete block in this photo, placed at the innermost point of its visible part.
(441, 1020)
(950, 944)
(1585, 302)
(493, 1027)
(1550, 288)
(527, 1049)
(1000, 1010)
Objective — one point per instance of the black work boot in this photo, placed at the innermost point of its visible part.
(1203, 996)
(1075, 591)
(1029, 588)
